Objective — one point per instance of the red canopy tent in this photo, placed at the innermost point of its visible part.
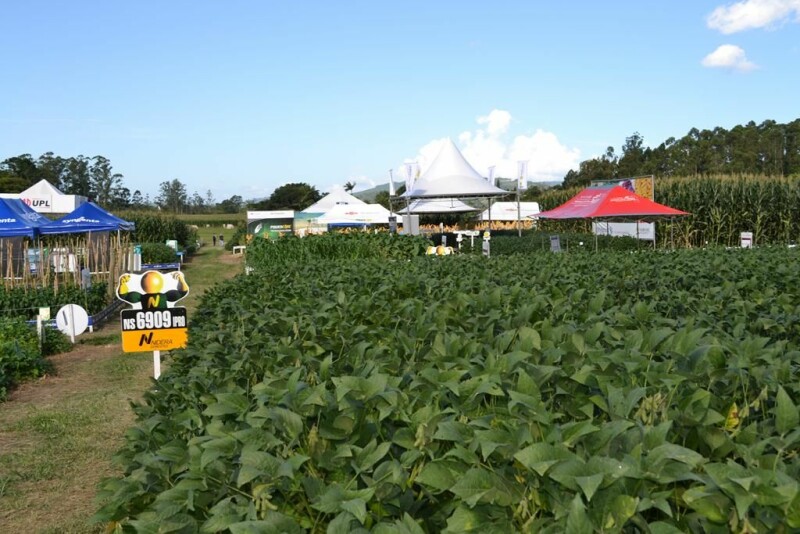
(609, 203)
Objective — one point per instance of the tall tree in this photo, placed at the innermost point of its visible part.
(172, 196)
(295, 196)
(349, 186)
(77, 178)
(23, 168)
(632, 160)
(52, 168)
(231, 205)
(105, 185)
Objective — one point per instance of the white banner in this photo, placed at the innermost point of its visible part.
(490, 178)
(522, 182)
(409, 177)
(391, 184)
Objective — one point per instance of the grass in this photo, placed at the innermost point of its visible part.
(58, 434)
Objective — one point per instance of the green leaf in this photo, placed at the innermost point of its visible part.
(228, 403)
(437, 476)
(786, 415)
(674, 452)
(578, 521)
(358, 508)
(371, 454)
(274, 523)
(589, 484)
(255, 464)
(623, 508)
(288, 421)
(466, 520)
(712, 506)
(542, 456)
(479, 485)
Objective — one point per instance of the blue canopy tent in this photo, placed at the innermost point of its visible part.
(88, 217)
(19, 220)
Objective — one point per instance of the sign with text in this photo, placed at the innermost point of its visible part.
(147, 330)
(154, 323)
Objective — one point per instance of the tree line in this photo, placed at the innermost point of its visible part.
(766, 149)
(95, 179)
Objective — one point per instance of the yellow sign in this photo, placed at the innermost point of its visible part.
(153, 329)
(150, 340)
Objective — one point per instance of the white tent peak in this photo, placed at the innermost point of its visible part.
(41, 188)
(450, 175)
(336, 197)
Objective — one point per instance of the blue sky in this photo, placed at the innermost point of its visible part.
(240, 97)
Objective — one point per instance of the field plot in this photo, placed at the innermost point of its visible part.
(531, 393)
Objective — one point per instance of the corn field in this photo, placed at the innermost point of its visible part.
(722, 206)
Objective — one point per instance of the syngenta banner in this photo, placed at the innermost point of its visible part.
(79, 220)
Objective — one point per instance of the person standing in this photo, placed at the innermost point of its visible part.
(86, 277)
(214, 239)
(221, 241)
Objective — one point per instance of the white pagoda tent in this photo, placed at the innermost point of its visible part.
(451, 176)
(337, 197)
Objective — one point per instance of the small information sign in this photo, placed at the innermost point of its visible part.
(147, 330)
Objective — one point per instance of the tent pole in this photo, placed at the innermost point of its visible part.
(519, 215)
(595, 238)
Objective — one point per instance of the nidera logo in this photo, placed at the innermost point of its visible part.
(146, 338)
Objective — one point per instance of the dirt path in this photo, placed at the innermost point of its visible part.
(58, 433)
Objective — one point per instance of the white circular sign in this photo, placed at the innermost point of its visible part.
(72, 320)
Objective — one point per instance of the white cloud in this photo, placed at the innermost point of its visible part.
(548, 159)
(729, 57)
(749, 14)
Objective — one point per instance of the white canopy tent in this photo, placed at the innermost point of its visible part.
(451, 176)
(507, 211)
(355, 215)
(337, 197)
(43, 197)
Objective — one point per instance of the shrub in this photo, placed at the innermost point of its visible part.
(157, 253)
(19, 354)
(55, 342)
(25, 302)
(358, 245)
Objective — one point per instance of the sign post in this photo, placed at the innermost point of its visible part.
(153, 322)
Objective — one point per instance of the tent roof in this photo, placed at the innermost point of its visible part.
(40, 189)
(334, 198)
(355, 215)
(441, 205)
(604, 202)
(17, 219)
(88, 217)
(507, 211)
(451, 176)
